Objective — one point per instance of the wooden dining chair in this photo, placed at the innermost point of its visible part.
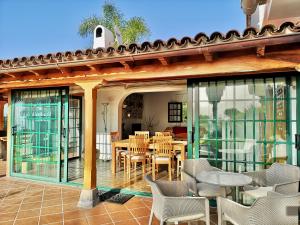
(163, 154)
(146, 135)
(164, 133)
(120, 153)
(142, 133)
(137, 148)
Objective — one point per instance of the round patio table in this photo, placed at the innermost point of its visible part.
(224, 179)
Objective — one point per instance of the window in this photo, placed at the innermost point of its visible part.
(175, 112)
(229, 115)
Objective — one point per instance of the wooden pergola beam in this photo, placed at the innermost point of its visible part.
(94, 68)
(260, 51)
(164, 61)
(65, 70)
(9, 74)
(243, 65)
(37, 74)
(127, 65)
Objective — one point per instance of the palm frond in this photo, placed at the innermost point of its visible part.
(132, 30)
(135, 30)
(88, 25)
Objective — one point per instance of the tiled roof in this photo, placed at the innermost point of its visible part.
(157, 46)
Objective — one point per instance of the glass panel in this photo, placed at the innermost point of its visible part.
(36, 132)
(74, 127)
(236, 114)
(293, 87)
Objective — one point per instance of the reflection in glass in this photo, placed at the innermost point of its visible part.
(36, 136)
(244, 122)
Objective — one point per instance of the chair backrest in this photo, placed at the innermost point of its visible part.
(137, 145)
(274, 209)
(195, 166)
(281, 173)
(163, 146)
(142, 133)
(157, 196)
(287, 188)
(164, 133)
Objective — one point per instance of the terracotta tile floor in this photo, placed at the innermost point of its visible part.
(25, 202)
(119, 180)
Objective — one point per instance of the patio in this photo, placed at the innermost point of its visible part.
(26, 202)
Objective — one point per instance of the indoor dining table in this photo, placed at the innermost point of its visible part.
(177, 146)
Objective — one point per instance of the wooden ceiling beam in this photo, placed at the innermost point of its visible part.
(243, 65)
(10, 75)
(37, 74)
(208, 55)
(164, 61)
(94, 68)
(127, 65)
(64, 70)
(260, 51)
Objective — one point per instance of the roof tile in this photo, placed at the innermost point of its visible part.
(201, 39)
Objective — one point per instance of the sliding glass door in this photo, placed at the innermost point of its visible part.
(243, 124)
(39, 133)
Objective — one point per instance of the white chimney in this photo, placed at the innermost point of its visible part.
(103, 38)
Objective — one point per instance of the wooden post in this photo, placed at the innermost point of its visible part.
(2, 103)
(89, 197)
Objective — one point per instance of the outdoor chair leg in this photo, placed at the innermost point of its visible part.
(220, 222)
(178, 165)
(151, 217)
(207, 215)
(170, 171)
(153, 169)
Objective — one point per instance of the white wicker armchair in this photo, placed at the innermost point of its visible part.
(274, 209)
(283, 178)
(171, 203)
(189, 171)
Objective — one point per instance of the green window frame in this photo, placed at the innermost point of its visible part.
(223, 123)
(38, 119)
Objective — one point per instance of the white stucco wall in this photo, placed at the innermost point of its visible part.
(156, 105)
(116, 95)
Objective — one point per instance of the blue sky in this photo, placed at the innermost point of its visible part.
(34, 27)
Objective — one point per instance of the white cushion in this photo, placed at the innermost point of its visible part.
(259, 192)
(210, 190)
(162, 159)
(185, 218)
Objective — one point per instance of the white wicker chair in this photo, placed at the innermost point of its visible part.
(274, 209)
(171, 203)
(281, 177)
(189, 171)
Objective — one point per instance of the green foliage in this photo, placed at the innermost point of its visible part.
(132, 30)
